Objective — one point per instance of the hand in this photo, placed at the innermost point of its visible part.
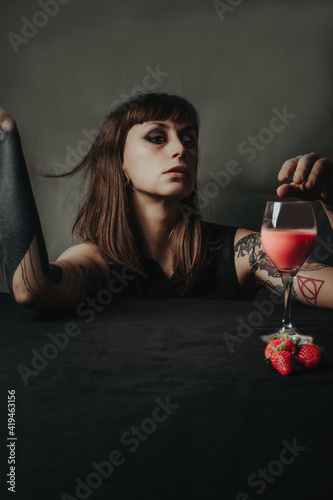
(312, 179)
(6, 121)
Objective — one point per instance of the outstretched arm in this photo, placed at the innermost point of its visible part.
(32, 281)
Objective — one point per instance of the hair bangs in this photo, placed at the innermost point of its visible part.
(160, 107)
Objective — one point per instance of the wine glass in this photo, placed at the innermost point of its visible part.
(288, 236)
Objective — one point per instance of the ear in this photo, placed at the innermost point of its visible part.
(127, 180)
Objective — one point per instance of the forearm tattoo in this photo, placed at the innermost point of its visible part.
(19, 221)
(312, 266)
(309, 288)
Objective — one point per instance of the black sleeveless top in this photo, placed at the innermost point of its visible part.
(217, 281)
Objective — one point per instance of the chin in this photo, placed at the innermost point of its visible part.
(180, 193)
(181, 187)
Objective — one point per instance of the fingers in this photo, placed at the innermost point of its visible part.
(286, 191)
(308, 170)
(296, 191)
(301, 166)
(312, 175)
(6, 121)
(318, 174)
(288, 168)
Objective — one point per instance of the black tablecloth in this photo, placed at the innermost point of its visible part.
(163, 399)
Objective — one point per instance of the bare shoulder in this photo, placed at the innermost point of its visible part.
(86, 250)
(86, 254)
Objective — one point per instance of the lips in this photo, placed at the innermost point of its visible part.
(179, 170)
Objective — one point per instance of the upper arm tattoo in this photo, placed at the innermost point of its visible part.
(87, 280)
(73, 282)
(251, 245)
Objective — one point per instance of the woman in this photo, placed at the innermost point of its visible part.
(135, 239)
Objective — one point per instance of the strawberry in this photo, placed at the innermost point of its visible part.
(273, 344)
(283, 361)
(310, 356)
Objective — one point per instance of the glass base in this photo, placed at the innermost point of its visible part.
(288, 334)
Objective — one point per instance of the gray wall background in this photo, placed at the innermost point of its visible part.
(75, 65)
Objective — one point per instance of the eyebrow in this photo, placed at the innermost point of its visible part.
(164, 125)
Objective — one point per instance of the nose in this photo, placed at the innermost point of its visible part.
(177, 148)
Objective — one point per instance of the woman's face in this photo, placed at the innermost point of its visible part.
(160, 159)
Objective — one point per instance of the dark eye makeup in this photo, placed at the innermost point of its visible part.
(159, 137)
(156, 139)
(189, 143)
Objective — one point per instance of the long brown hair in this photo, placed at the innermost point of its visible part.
(106, 218)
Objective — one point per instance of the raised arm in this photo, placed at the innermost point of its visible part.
(312, 180)
(33, 281)
(313, 284)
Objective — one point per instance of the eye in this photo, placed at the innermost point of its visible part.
(156, 139)
(189, 142)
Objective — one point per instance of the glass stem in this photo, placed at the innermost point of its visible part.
(288, 285)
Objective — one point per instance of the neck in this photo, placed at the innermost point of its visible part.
(155, 219)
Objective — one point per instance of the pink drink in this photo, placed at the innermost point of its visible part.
(288, 248)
